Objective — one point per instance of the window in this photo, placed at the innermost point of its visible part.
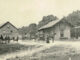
(62, 33)
(11, 31)
(8, 27)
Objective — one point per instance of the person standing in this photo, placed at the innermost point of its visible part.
(47, 39)
(53, 37)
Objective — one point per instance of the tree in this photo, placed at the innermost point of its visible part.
(46, 19)
(74, 18)
(28, 30)
(23, 30)
(33, 30)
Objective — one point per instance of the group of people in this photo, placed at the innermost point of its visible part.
(49, 38)
(7, 39)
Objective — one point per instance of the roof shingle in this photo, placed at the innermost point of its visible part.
(50, 24)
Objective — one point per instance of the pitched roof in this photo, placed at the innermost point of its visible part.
(50, 24)
(3, 24)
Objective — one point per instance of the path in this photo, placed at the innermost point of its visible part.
(75, 44)
(23, 53)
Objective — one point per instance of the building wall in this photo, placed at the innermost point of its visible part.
(66, 28)
(9, 30)
(67, 32)
(56, 30)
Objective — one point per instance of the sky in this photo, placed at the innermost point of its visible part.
(24, 12)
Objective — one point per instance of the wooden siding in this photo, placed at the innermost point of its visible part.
(56, 30)
(9, 30)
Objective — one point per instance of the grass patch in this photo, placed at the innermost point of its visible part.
(57, 52)
(9, 48)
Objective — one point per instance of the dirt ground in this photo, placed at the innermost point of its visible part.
(58, 47)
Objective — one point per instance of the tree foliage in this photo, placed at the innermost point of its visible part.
(46, 20)
(74, 18)
(23, 30)
(29, 30)
(33, 28)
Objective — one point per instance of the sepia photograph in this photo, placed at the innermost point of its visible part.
(39, 29)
